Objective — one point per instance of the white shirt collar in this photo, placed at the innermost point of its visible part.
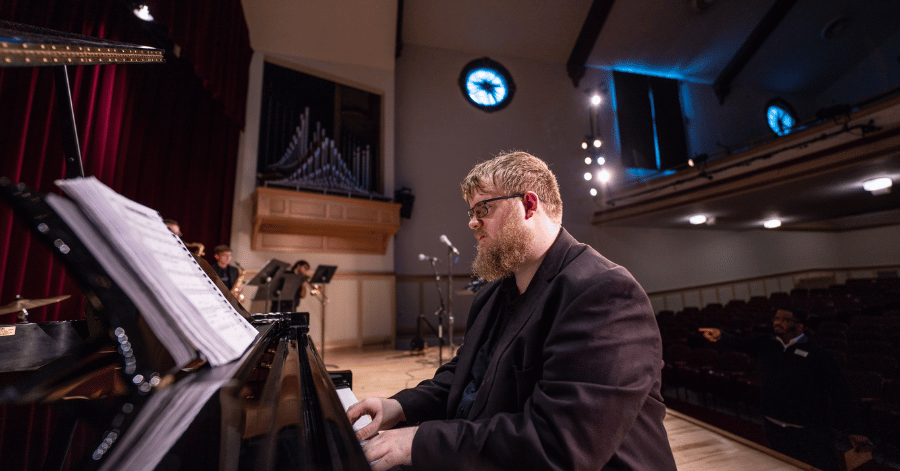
(792, 341)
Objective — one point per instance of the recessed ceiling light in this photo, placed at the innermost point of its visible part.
(772, 223)
(587, 160)
(587, 175)
(601, 160)
(698, 219)
(878, 186)
(593, 192)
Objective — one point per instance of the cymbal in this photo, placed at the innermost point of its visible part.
(20, 304)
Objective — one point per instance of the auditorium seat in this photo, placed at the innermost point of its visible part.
(692, 374)
(674, 355)
(834, 344)
(883, 365)
(865, 386)
(832, 328)
(723, 378)
(874, 347)
(885, 418)
(780, 300)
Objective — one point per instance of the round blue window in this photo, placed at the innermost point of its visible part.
(486, 84)
(781, 117)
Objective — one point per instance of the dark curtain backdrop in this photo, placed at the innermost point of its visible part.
(165, 135)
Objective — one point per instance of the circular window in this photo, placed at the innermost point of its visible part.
(486, 84)
(781, 116)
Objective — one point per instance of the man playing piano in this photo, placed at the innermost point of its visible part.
(561, 364)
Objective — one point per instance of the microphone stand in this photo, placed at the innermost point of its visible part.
(450, 296)
(268, 293)
(439, 313)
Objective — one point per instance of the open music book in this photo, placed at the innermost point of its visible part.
(180, 303)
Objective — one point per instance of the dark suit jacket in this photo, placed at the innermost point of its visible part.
(573, 384)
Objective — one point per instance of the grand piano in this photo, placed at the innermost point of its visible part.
(102, 393)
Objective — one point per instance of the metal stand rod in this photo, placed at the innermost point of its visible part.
(450, 297)
(440, 311)
(74, 167)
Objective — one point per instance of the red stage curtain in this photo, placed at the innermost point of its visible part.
(165, 135)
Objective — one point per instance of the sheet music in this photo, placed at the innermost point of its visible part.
(163, 266)
(179, 347)
(165, 417)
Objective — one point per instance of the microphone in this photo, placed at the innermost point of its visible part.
(426, 257)
(445, 240)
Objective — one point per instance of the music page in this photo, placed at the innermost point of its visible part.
(161, 262)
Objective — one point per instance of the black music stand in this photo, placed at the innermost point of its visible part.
(286, 287)
(323, 274)
(268, 277)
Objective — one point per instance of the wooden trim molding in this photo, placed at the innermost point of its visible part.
(295, 221)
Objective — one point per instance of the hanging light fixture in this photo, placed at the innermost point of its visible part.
(143, 12)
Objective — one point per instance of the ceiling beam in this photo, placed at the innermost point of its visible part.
(587, 38)
(773, 17)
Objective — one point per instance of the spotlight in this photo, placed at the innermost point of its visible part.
(143, 12)
(595, 99)
(878, 186)
(584, 145)
(601, 160)
(604, 175)
(587, 160)
(587, 175)
(698, 219)
(593, 192)
(597, 143)
(698, 159)
(772, 223)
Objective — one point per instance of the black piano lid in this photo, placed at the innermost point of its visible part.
(27, 46)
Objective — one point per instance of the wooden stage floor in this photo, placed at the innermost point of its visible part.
(697, 446)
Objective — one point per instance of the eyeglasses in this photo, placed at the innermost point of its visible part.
(481, 209)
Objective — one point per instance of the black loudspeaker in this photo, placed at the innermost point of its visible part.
(405, 197)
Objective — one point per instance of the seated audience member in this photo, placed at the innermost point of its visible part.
(803, 390)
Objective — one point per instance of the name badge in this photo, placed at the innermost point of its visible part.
(802, 353)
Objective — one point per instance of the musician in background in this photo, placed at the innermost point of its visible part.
(173, 226)
(227, 273)
(300, 267)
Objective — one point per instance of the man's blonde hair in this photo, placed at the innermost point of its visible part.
(512, 173)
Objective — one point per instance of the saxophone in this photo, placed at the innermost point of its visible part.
(238, 289)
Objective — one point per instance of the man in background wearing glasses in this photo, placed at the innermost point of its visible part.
(803, 390)
(561, 364)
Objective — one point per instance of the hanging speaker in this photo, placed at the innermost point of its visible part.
(405, 197)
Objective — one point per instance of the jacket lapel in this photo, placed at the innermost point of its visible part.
(530, 300)
(475, 336)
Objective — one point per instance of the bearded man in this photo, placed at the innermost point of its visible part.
(560, 368)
